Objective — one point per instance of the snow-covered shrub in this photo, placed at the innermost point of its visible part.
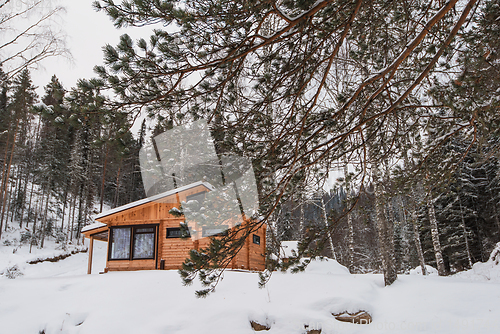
(495, 254)
(25, 237)
(13, 272)
(60, 237)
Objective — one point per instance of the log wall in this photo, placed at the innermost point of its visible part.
(174, 251)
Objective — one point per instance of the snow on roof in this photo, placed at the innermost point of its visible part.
(93, 226)
(153, 198)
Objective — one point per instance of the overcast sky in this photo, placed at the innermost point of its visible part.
(87, 31)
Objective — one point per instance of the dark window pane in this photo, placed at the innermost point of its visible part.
(256, 239)
(120, 243)
(145, 230)
(144, 245)
(173, 232)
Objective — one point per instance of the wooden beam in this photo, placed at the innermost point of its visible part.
(248, 250)
(91, 251)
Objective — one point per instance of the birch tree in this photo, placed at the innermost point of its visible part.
(29, 34)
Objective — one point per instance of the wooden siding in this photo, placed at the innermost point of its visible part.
(252, 256)
(118, 265)
(174, 251)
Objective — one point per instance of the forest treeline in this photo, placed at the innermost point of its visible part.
(465, 209)
(63, 156)
(66, 154)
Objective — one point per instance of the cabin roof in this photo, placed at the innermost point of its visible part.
(154, 198)
(93, 226)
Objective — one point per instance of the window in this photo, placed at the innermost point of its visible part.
(173, 232)
(144, 243)
(178, 232)
(120, 243)
(132, 243)
(256, 239)
(209, 231)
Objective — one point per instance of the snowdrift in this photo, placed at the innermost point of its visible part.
(60, 298)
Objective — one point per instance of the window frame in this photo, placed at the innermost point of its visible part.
(167, 236)
(131, 241)
(256, 239)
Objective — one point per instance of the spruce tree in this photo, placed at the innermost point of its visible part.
(54, 145)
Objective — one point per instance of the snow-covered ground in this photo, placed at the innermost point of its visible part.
(60, 298)
(76, 264)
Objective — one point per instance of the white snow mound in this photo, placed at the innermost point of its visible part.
(488, 271)
(326, 266)
(418, 270)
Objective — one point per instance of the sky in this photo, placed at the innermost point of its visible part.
(87, 32)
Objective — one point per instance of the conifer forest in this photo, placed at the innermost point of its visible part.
(372, 126)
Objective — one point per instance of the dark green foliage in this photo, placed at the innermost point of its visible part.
(176, 212)
(69, 150)
(472, 95)
(209, 263)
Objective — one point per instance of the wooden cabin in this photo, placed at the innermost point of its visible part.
(144, 235)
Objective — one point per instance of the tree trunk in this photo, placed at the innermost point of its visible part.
(80, 215)
(44, 221)
(385, 232)
(467, 246)
(435, 237)
(71, 226)
(11, 197)
(301, 219)
(64, 208)
(327, 226)
(7, 174)
(104, 177)
(29, 205)
(15, 193)
(416, 234)
(117, 191)
(349, 218)
(23, 202)
(4, 166)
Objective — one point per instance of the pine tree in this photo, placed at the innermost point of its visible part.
(264, 73)
(23, 98)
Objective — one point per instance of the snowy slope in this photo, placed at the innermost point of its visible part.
(76, 264)
(60, 298)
